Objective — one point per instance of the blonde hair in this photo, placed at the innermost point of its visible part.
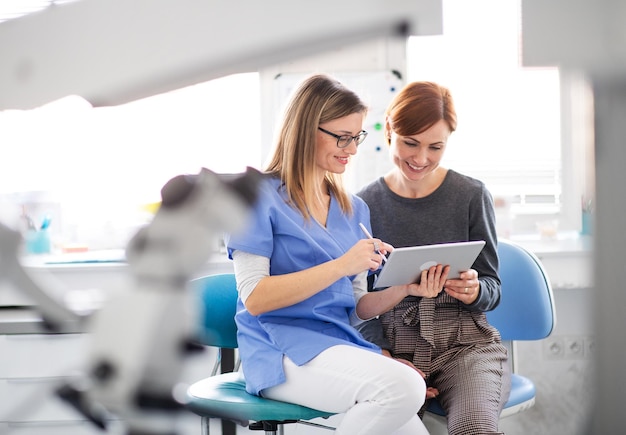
(319, 99)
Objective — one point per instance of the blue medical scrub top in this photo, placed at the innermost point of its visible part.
(278, 231)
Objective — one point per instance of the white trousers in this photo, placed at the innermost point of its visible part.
(378, 395)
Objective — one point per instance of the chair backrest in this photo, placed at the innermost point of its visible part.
(526, 310)
(217, 296)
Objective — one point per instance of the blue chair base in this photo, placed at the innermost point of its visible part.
(225, 397)
(522, 397)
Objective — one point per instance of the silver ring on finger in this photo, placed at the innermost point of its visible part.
(466, 289)
(375, 247)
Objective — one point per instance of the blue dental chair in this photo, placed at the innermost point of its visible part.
(526, 312)
(224, 396)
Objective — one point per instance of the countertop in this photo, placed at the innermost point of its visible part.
(565, 244)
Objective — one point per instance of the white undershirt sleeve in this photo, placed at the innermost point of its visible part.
(359, 287)
(249, 270)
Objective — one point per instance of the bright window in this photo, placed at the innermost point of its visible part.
(92, 169)
(509, 121)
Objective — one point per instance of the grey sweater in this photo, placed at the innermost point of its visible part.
(461, 209)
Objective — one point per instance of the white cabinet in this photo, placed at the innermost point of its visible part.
(568, 261)
(569, 271)
(49, 428)
(32, 367)
(33, 364)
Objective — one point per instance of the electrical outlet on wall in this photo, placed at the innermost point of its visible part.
(574, 347)
(568, 347)
(554, 347)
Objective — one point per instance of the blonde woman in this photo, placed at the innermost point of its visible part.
(302, 265)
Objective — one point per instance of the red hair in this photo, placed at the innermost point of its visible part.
(420, 105)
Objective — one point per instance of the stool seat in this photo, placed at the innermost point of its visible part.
(522, 397)
(224, 396)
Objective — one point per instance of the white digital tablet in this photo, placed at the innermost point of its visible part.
(405, 265)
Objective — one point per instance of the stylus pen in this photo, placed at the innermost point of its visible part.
(369, 236)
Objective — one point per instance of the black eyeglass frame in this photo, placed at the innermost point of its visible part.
(358, 139)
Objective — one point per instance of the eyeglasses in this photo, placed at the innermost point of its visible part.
(345, 139)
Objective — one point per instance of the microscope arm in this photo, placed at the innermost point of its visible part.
(54, 311)
(142, 336)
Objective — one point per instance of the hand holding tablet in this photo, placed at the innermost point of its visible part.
(405, 265)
